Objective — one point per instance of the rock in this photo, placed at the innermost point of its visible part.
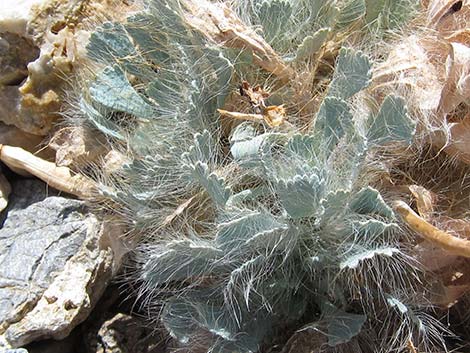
(120, 334)
(55, 262)
(12, 136)
(70, 344)
(123, 333)
(78, 147)
(14, 15)
(32, 105)
(18, 350)
(15, 54)
(51, 16)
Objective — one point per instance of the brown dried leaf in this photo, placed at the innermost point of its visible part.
(451, 295)
(425, 200)
(415, 69)
(448, 16)
(241, 116)
(256, 96)
(221, 25)
(457, 82)
(456, 144)
(432, 257)
(274, 115)
(179, 210)
(304, 341)
(432, 70)
(461, 36)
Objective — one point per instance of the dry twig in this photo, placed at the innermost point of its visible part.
(436, 236)
(60, 178)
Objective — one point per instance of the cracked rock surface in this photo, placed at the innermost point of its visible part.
(55, 262)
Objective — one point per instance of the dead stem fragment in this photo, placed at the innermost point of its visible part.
(60, 178)
(273, 115)
(241, 116)
(179, 210)
(436, 236)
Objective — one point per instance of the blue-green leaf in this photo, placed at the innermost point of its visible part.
(302, 147)
(236, 200)
(274, 16)
(353, 261)
(178, 261)
(247, 147)
(244, 142)
(223, 69)
(342, 326)
(406, 311)
(333, 121)
(182, 318)
(301, 196)
(241, 279)
(374, 8)
(111, 90)
(311, 44)
(242, 227)
(395, 303)
(151, 44)
(392, 124)
(334, 204)
(352, 74)
(373, 229)
(109, 43)
(104, 125)
(201, 151)
(211, 182)
(352, 11)
(369, 201)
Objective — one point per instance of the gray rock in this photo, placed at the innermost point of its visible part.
(30, 232)
(55, 262)
(123, 333)
(15, 54)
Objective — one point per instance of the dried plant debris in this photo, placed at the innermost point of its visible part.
(430, 68)
(60, 178)
(448, 242)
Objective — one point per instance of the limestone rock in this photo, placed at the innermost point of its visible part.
(14, 15)
(15, 54)
(123, 333)
(12, 136)
(34, 104)
(77, 146)
(55, 262)
(120, 334)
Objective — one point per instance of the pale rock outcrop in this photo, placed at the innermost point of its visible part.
(56, 259)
